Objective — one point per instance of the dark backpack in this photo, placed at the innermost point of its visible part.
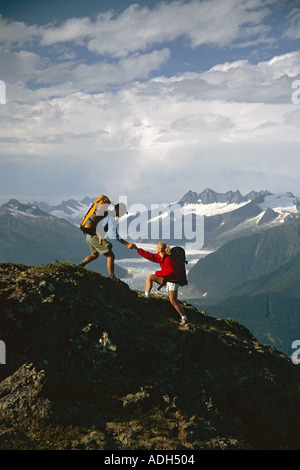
(178, 254)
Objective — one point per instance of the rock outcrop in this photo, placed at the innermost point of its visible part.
(91, 364)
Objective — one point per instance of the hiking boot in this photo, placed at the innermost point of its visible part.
(183, 321)
(112, 276)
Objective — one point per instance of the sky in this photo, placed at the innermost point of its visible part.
(148, 99)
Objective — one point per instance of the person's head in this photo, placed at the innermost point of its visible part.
(162, 248)
(120, 209)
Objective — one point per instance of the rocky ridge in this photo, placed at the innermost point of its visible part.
(91, 364)
(209, 196)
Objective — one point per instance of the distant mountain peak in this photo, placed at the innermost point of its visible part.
(209, 196)
(71, 209)
(16, 207)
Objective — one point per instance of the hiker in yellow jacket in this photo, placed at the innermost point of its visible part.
(101, 225)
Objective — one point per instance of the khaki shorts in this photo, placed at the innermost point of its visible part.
(102, 248)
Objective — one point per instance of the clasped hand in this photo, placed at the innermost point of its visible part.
(132, 246)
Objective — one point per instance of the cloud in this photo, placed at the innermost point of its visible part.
(208, 122)
(293, 29)
(100, 75)
(230, 103)
(17, 32)
(121, 42)
(90, 93)
(138, 28)
(239, 82)
(18, 66)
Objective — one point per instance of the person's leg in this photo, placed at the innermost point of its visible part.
(175, 303)
(110, 260)
(89, 258)
(173, 297)
(149, 283)
(90, 239)
(102, 247)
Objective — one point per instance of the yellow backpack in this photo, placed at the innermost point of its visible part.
(90, 220)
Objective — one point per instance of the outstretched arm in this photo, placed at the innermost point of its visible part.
(149, 256)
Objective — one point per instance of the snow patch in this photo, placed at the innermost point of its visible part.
(26, 213)
(282, 203)
(214, 208)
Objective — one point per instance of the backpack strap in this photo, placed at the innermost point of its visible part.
(90, 220)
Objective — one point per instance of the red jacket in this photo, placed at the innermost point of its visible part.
(167, 263)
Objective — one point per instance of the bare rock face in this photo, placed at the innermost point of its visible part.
(22, 395)
(84, 350)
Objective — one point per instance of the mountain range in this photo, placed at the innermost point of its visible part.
(255, 280)
(230, 215)
(71, 210)
(247, 269)
(32, 236)
(225, 216)
(227, 270)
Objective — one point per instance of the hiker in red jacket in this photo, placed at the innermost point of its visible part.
(168, 272)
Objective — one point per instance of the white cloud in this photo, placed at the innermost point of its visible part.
(18, 65)
(138, 28)
(74, 29)
(68, 109)
(17, 32)
(231, 103)
(123, 39)
(98, 76)
(293, 29)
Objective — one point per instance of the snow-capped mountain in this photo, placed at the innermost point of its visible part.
(230, 215)
(30, 235)
(17, 208)
(224, 216)
(71, 209)
(37, 233)
(208, 196)
(210, 203)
